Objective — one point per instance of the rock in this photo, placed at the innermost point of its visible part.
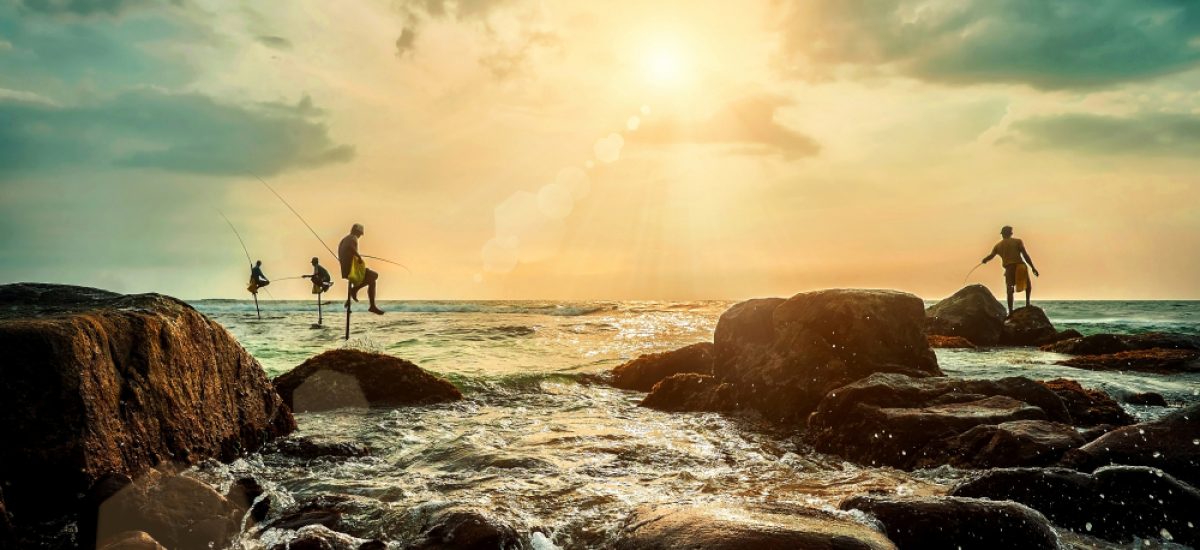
(130, 540)
(310, 448)
(939, 341)
(351, 378)
(1161, 361)
(1171, 443)
(899, 421)
(1068, 334)
(245, 493)
(96, 383)
(643, 373)
(957, 522)
(1116, 503)
(691, 392)
(1020, 442)
(1027, 326)
(466, 529)
(1088, 407)
(319, 537)
(1104, 344)
(1149, 399)
(6, 526)
(817, 341)
(177, 511)
(323, 510)
(713, 526)
(972, 312)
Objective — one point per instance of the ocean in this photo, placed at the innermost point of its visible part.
(539, 445)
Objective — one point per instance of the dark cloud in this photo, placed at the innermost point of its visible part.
(505, 60)
(1049, 44)
(277, 42)
(1172, 134)
(82, 7)
(747, 124)
(187, 133)
(405, 42)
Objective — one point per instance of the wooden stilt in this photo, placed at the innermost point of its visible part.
(318, 309)
(348, 285)
(259, 311)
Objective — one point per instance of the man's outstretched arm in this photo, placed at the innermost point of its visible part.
(1028, 260)
(989, 257)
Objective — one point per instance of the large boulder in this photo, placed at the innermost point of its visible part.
(972, 312)
(935, 523)
(783, 359)
(1088, 407)
(905, 422)
(728, 527)
(177, 511)
(1157, 360)
(1171, 443)
(691, 392)
(1104, 344)
(1116, 503)
(466, 529)
(350, 378)
(96, 383)
(1027, 326)
(643, 373)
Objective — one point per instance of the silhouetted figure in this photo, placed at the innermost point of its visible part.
(257, 279)
(354, 269)
(320, 277)
(1012, 252)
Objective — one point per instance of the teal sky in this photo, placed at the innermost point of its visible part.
(549, 149)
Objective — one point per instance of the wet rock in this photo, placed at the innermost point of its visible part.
(310, 448)
(97, 383)
(783, 360)
(1116, 503)
(319, 537)
(1161, 361)
(1027, 326)
(245, 493)
(1104, 344)
(466, 529)
(324, 510)
(1171, 443)
(1149, 399)
(724, 527)
(899, 421)
(350, 378)
(177, 511)
(691, 392)
(939, 341)
(643, 373)
(1020, 442)
(957, 522)
(1088, 407)
(972, 312)
(130, 540)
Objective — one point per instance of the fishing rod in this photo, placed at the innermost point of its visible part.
(971, 271)
(388, 261)
(248, 260)
(298, 216)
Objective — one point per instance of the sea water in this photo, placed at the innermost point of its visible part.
(537, 444)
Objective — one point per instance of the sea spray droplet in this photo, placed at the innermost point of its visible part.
(1088, 526)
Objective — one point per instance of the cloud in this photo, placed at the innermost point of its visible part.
(1048, 44)
(405, 42)
(82, 7)
(186, 132)
(748, 124)
(277, 42)
(1168, 134)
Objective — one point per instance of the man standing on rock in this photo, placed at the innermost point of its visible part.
(354, 269)
(1012, 253)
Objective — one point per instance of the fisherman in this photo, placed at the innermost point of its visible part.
(354, 269)
(257, 279)
(1012, 252)
(320, 277)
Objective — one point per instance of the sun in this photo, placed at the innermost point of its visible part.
(665, 65)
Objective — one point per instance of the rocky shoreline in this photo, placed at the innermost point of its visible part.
(109, 399)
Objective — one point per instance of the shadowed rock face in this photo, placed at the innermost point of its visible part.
(95, 383)
(1027, 326)
(1103, 344)
(1171, 443)
(720, 527)
(1088, 407)
(939, 341)
(691, 392)
(1116, 503)
(351, 378)
(1162, 361)
(466, 529)
(643, 373)
(956, 522)
(1019, 442)
(972, 312)
(784, 355)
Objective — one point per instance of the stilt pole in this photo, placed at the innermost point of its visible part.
(256, 310)
(318, 309)
(348, 285)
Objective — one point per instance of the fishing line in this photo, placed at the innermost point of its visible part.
(301, 218)
(970, 272)
(239, 237)
(388, 261)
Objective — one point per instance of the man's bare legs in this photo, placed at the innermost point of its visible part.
(1010, 297)
(1028, 290)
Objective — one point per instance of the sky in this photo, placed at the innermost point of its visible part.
(646, 150)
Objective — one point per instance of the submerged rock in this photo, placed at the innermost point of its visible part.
(691, 392)
(972, 312)
(1088, 407)
(96, 383)
(1027, 326)
(713, 526)
(466, 529)
(308, 447)
(1161, 361)
(177, 511)
(1171, 443)
(643, 373)
(904, 422)
(1149, 399)
(939, 341)
(351, 378)
(1104, 344)
(1116, 503)
(784, 356)
(957, 522)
